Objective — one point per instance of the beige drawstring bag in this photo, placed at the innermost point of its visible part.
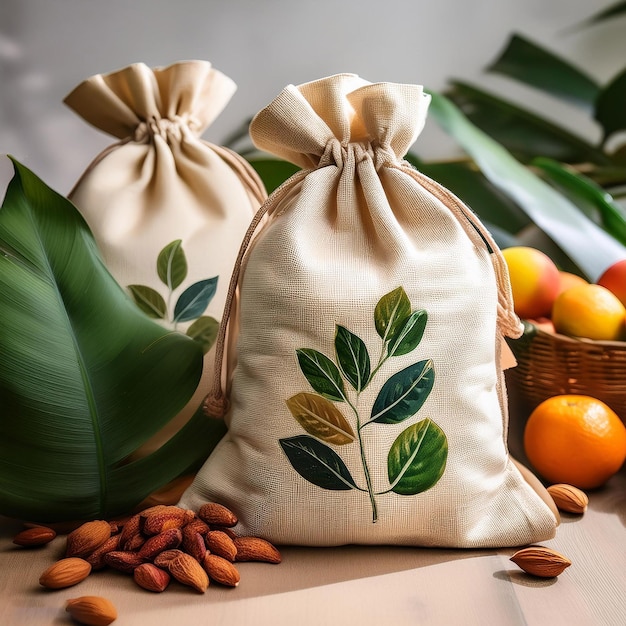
(367, 403)
(168, 210)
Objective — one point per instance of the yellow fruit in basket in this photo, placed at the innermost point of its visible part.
(570, 280)
(614, 279)
(590, 311)
(535, 281)
(575, 439)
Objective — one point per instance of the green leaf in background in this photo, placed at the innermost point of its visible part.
(317, 463)
(391, 313)
(172, 264)
(273, 172)
(353, 358)
(404, 394)
(611, 106)
(410, 335)
(588, 246)
(151, 302)
(321, 418)
(615, 10)
(204, 330)
(194, 300)
(322, 374)
(85, 377)
(417, 458)
(532, 65)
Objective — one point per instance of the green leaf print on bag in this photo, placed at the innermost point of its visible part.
(417, 457)
(172, 269)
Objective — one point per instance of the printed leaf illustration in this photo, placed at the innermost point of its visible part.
(353, 358)
(391, 313)
(204, 331)
(320, 417)
(85, 377)
(411, 334)
(404, 393)
(151, 302)
(317, 463)
(322, 374)
(172, 264)
(417, 458)
(194, 300)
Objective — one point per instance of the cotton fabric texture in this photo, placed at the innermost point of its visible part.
(168, 209)
(367, 403)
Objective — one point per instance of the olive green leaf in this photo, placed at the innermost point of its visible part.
(404, 393)
(172, 264)
(353, 358)
(391, 313)
(151, 302)
(410, 335)
(321, 418)
(317, 463)
(204, 330)
(195, 299)
(417, 458)
(322, 374)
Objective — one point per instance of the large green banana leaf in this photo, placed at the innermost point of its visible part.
(85, 377)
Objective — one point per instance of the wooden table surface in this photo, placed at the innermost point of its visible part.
(360, 585)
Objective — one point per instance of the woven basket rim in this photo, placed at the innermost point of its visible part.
(531, 329)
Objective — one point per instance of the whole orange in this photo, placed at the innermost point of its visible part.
(614, 279)
(575, 439)
(590, 311)
(535, 281)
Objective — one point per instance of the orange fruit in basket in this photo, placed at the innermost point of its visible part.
(535, 281)
(575, 439)
(614, 279)
(567, 280)
(590, 311)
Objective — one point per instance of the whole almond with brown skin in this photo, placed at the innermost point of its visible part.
(96, 558)
(134, 543)
(216, 514)
(163, 559)
(167, 540)
(186, 570)
(87, 537)
(151, 577)
(199, 526)
(65, 573)
(569, 498)
(256, 549)
(165, 519)
(34, 537)
(130, 529)
(92, 610)
(218, 542)
(221, 570)
(193, 543)
(123, 561)
(540, 561)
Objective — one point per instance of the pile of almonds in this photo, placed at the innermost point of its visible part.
(153, 546)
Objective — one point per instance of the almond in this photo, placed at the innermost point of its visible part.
(193, 543)
(130, 529)
(256, 549)
(186, 570)
(87, 537)
(167, 540)
(540, 561)
(65, 573)
(199, 526)
(569, 498)
(33, 537)
(220, 570)
(123, 560)
(165, 519)
(134, 543)
(92, 610)
(96, 558)
(216, 514)
(151, 577)
(163, 559)
(218, 542)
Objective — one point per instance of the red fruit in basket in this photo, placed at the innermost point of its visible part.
(535, 281)
(614, 279)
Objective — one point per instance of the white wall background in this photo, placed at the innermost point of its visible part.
(48, 46)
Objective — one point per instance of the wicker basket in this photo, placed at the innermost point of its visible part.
(552, 364)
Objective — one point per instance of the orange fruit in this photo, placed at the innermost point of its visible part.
(535, 281)
(575, 439)
(567, 280)
(590, 311)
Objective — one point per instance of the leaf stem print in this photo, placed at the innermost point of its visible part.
(172, 268)
(418, 456)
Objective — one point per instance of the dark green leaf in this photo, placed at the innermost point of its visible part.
(391, 314)
(528, 63)
(204, 330)
(317, 463)
(611, 106)
(273, 172)
(321, 418)
(322, 374)
(410, 335)
(172, 264)
(85, 377)
(151, 302)
(404, 393)
(417, 458)
(194, 300)
(352, 357)
(614, 10)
